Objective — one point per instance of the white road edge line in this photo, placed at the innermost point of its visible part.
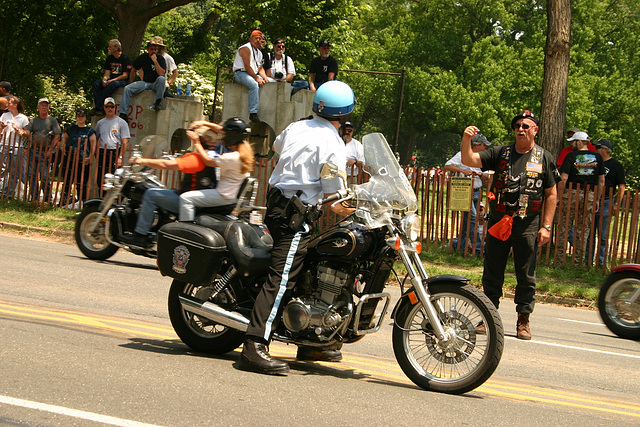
(582, 321)
(105, 419)
(633, 356)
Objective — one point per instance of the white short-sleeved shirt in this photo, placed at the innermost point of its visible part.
(171, 64)
(457, 161)
(277, 65)
(111, 132)
(20, 120)
(231, 176)
(355, 150)
(304, 148)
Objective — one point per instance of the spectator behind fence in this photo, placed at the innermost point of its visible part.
(79, 146)
(614, 187)
(113, 137)
(323, 68)
(117, 67)
(172, 69)
(478, 143)
(584, 170)
(13, 159)
(233, 166)
(5, 89)
(570, 147)
(44, 132)
(249, 71)
(355, 150)
(525, 178)
(151, 67)
(282, 67)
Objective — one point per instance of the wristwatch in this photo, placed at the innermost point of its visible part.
(548, 227)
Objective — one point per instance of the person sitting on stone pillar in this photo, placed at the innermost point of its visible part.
(248, 70)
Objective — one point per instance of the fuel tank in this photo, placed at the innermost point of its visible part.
(348, 242)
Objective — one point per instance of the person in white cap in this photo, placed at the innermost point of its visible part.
(582, 174)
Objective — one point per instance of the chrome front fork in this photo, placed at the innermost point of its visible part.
(418, 275)
(106, 204)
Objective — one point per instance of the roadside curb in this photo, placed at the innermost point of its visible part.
(550, 299)
(64, 234)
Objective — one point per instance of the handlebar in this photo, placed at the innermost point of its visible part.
(340, 194)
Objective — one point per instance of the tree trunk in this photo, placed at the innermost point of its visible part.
(134, 16)
(556, 74)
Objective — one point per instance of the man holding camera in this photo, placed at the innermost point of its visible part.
(282, 68)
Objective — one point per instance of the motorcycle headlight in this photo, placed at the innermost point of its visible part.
(411, 226)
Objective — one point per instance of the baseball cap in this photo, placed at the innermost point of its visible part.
(324, 43)
(257, 33)
(109, 100)
(580, 136)
(525, 114)
(347, 124)
(43, 100)
(603, 142)
(480, 139)
(81, 112)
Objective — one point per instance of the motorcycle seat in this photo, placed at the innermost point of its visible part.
(251, 253)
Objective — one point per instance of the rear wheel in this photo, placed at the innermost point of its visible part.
(198, 332)
(464, 361)
(94, 244)
(619, 304)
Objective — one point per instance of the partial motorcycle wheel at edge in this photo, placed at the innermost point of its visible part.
(201, 334)
(92, 245)
(620, 315)
(464, 362)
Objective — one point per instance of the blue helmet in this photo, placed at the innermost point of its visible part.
(333, 99)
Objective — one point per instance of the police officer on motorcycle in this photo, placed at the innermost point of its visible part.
(196, 176)
(295, 185)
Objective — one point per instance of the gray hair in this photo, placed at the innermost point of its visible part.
(116, 43)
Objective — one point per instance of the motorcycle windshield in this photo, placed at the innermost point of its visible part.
(388, 188)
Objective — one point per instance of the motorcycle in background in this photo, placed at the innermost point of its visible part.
(219, 267)
(619, 301)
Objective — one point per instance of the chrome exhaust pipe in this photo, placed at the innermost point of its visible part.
(214, 313)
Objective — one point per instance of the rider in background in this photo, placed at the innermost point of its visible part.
(304, 148)
(234, 166)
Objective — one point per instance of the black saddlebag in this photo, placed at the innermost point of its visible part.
(190, 253)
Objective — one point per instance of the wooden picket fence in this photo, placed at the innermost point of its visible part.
(63, 182)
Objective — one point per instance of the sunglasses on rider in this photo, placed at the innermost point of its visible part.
(279, 44)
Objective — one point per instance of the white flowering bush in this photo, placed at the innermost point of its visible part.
(63, 101)
(201, 86)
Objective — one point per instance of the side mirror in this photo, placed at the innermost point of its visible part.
(330, 171)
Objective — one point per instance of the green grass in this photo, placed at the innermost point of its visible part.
(36, 216)
(568, 282)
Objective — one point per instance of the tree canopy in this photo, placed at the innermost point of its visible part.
(467, 62)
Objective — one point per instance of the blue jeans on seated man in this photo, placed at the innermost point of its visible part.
(154, 199)
(245, 79)
(100, 92)
(139, 86)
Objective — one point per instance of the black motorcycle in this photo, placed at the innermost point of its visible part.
(102, 222)
(219, 267)
(619, 301)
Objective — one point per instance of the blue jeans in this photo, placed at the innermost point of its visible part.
(604, 211)
(39, 169)
(139, 86)
(153, 199)
(299, 85)
(100, 93)
(245, 78)
(13, 167)
(191, 200)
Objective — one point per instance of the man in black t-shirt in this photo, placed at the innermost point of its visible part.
(116, 74)
(522, 192)
(323, 68)
(152, 68)
(582, 175)
(614, 188)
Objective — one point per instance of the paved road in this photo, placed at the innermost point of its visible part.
(89, 343)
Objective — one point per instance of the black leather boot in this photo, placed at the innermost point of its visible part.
(136, 239)
(255, 358)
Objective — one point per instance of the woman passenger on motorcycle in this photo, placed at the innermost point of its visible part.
(234, 166)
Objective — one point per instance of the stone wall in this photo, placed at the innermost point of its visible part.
(276, 111)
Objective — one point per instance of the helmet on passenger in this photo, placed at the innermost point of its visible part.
(334, 99)
(235, 130)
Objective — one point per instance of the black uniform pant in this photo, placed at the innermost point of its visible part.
(524, 242)
(287, 256)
